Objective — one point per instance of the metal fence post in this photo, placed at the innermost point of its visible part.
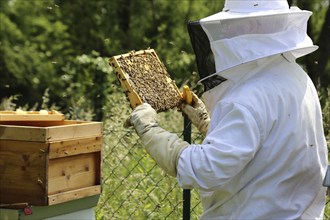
(186, 192)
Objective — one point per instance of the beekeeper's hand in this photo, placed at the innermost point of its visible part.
(197, 113)
(164, 147)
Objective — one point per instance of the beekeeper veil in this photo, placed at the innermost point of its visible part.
(244, 31)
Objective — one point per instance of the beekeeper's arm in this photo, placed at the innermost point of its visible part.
(164, 147)
(232, 142)
(197, 114)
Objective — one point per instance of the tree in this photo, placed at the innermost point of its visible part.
(43, 41)
(33, 43)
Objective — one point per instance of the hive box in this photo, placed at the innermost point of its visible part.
(49, 162)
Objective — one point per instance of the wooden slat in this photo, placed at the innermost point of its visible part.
(74, 172)
(74, 195)
(123, 78)
(60, 131)
(30, 115)
(22, 133)
(74, 131)
(22, 172)
(42, 123)
(152, 51)
(74, 147)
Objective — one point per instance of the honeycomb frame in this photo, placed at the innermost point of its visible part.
(144, 79)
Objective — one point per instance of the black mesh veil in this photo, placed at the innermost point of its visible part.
(204, 56)
(201, 46)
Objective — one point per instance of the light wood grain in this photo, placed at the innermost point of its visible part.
(74, 172)
(22, 172)
(40, 132)
(74, 147)
(74, 194)
(30, 115)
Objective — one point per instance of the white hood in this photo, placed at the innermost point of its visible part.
(246, 31)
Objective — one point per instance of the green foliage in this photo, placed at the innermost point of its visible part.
(86, 81)
(43, 44)
(32, 44)
(324, 96)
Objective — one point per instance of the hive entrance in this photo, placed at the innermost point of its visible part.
(145, 79)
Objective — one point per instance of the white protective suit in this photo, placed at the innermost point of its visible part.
(264, 155)
(261, 159)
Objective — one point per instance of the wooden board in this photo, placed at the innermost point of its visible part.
(23, 172)
(145, 79)
(39, 131)
(74, 147)
(30, 116)
(74, 172)
(74, 194)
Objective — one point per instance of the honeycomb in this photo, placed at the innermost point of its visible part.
(145, 79)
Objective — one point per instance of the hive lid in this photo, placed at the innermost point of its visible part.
(20, 115)
(145, 79)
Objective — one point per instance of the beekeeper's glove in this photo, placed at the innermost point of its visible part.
(163, 146)
(197, 114)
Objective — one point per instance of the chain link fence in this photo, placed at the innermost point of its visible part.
(134, 187)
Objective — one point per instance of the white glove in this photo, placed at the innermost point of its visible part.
(164, 147)
(197, 114)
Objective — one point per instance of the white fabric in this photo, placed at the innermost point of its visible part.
(267, 29)
(227, 55)
(211, 97)
(248, 6)
(265, 154)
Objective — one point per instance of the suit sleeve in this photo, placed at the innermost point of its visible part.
(232, 141)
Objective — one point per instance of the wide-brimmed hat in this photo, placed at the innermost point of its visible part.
(247, 30)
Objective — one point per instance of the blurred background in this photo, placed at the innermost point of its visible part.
(59, 48)
(54, 55)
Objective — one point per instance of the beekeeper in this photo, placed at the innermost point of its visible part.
(264, 155)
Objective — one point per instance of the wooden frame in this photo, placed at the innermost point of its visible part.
(137, 95)
(30, 115)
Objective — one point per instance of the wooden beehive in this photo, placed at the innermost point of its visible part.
(144, 78)
(49, 162)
